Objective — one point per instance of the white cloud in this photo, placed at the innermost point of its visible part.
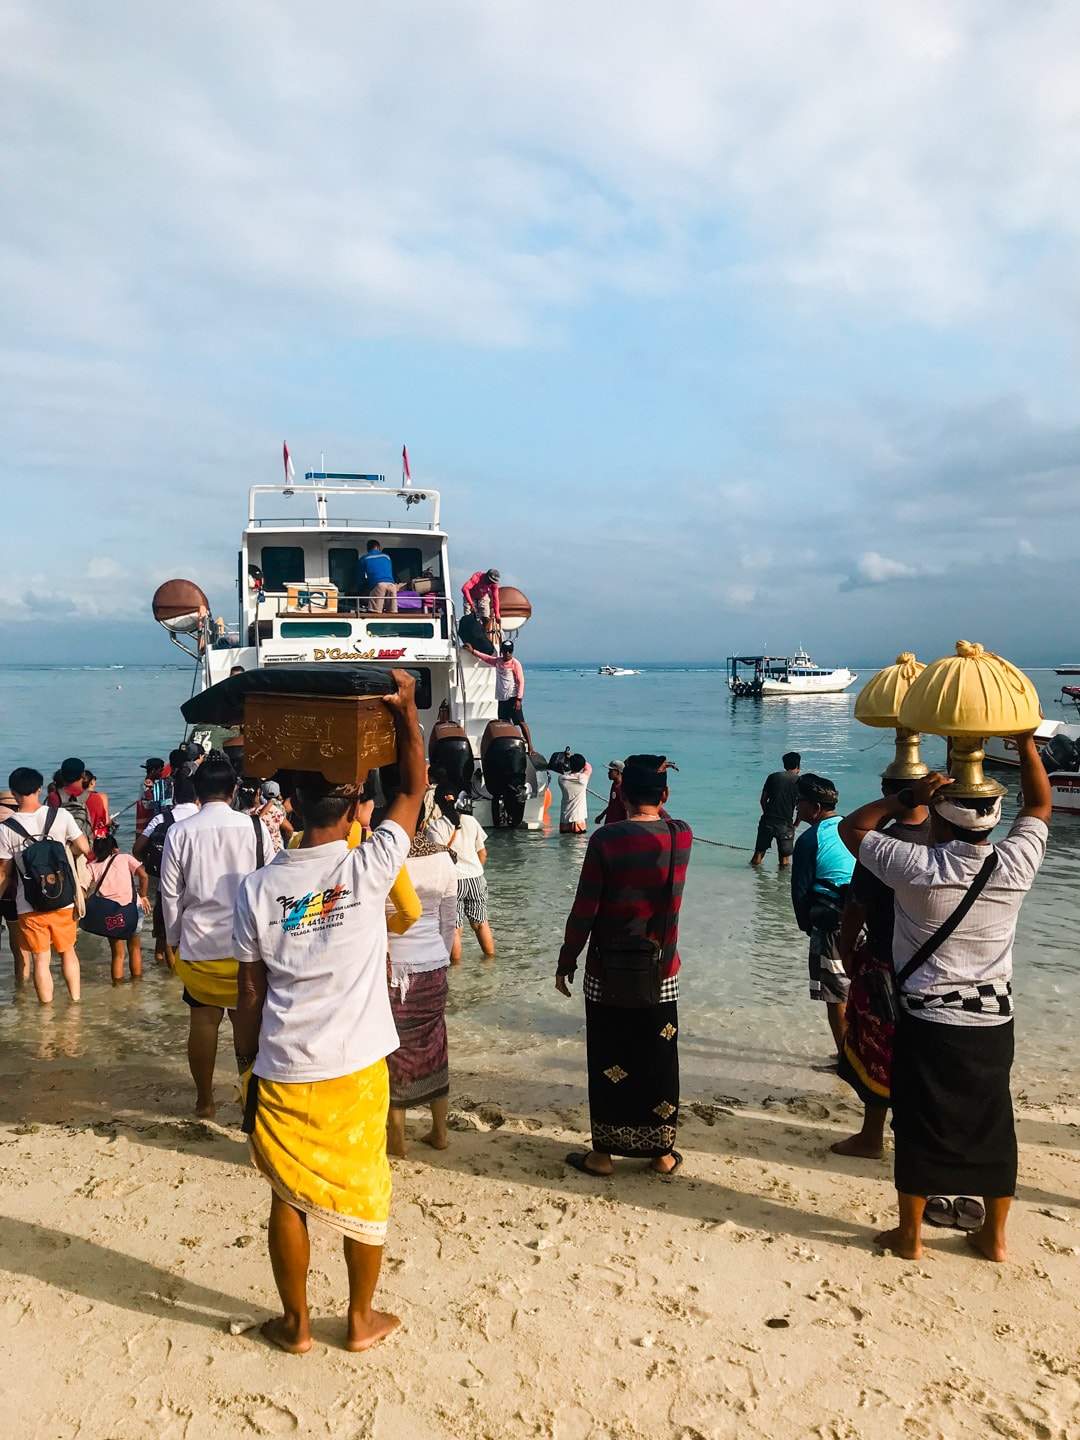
(875, 569)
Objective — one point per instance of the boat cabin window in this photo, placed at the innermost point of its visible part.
(316, 629)
(401, 629)
(282, 565)
(407, 561)
(342, 561)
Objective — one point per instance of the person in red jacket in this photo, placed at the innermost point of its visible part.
(481, 595)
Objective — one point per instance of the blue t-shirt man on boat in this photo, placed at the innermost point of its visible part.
(375, 579)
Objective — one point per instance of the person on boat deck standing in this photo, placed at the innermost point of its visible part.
(627, 911)
(375, 579)
(509, 685)
(778, 799)
(953, 1043)
(481, 595)
(819, 880)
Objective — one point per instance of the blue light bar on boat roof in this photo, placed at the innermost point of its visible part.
(336, 475)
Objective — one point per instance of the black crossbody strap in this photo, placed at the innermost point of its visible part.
(260, 856)
(947, 926)
(95, 888)
(670, 887)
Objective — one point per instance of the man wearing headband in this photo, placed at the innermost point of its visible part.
(953, 1044)
(820, 874)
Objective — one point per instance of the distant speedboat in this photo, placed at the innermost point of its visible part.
(1067, 670)
(785, 675)
(616, 670)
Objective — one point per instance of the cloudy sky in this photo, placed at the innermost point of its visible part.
(718, 326)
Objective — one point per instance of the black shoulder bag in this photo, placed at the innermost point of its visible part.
(630, 965)
(883, 987)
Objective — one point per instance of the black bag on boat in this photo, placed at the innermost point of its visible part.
(630, 965)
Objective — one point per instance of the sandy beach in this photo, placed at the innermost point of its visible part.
(742, 1298)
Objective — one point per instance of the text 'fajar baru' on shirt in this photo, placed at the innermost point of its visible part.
(316, 919)
(622, 890)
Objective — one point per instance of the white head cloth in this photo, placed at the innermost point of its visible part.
(964, 818)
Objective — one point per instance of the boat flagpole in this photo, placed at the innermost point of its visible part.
(406, 473)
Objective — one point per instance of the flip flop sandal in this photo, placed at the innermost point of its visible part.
(970, 1214)
(576, 1160)
(940, 1211)
(667, 1174)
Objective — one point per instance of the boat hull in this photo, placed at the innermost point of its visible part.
(812, 685)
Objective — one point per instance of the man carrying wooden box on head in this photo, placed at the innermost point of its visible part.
(313, 1029)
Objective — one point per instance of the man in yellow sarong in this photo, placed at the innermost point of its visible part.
(203, 862)
(313, 1028)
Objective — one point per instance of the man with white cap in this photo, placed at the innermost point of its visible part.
(614, 810)
(956, 905)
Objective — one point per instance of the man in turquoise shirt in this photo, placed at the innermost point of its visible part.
(820, 871)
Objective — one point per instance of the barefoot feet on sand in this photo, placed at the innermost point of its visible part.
(363, 1334)
(291, 1338)
(860, 1147)
(206, 1110)
(437, 1142)
(987, 1244)
(900, 1244)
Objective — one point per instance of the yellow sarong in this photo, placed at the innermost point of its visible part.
(211, 982)
(322, 1147)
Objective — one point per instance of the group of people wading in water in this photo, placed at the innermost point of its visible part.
(330, 959)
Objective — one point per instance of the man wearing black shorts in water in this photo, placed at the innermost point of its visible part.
(778, 812)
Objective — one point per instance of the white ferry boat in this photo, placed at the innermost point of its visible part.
(298, 605)
(615, 670)
(785, 675)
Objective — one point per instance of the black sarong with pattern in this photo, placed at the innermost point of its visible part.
(633, 1058)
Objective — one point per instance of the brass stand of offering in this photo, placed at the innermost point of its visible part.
(878, 705)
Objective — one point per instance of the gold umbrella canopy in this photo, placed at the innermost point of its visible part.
(971, 694)
(878, 704)
(968, 696)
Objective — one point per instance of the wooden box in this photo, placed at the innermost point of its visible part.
(340, 736)
(318, 597)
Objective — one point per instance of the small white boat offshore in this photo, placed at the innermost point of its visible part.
(299, 606)
(616, 670)
(1059, 746)
(785, 675)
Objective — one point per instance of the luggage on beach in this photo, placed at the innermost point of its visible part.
(44, 868)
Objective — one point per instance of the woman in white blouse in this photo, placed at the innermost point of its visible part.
(419, 1069)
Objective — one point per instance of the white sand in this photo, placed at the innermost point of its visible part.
(536, 1302)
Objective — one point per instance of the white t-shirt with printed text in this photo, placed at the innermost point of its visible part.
(316, 919)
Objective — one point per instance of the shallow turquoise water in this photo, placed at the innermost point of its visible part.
(748, 1026)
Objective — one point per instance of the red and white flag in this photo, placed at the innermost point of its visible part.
(406, 473)
(289, 469)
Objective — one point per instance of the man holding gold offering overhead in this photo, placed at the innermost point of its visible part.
(956, 905)
(314, 1026)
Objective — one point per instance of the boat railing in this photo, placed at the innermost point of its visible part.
(305, 601)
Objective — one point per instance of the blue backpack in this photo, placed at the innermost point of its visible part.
(44, 869)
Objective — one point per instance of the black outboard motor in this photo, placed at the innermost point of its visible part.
(451, 758)
(1060, 753)
(505, 759)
